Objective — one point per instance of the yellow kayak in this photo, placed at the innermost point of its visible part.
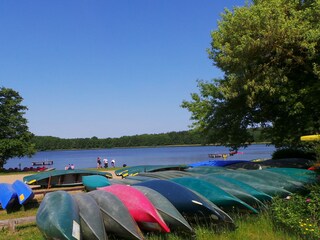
(310, 138)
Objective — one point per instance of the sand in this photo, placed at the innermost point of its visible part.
(10, 178)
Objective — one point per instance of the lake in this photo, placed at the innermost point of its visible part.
(139, 156)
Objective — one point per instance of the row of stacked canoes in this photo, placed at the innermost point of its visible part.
(12, 196)
(164, 201)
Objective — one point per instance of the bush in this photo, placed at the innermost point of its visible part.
(299, 214)
(293, 153)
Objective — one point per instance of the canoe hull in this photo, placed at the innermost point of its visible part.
(58, 216)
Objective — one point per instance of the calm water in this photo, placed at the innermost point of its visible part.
(139, 156)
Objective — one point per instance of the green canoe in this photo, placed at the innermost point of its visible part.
(91, 221)
(235, 190)
(60, 178)
(263, 197)
(58, 216)
(258, 183)
(301, 175)
(219, 197)
(131, 171)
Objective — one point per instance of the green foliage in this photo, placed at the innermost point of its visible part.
(269, 52)
(145, 140)
(299, 214)
(15, 138)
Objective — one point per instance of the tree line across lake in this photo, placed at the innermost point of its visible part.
(43, 143)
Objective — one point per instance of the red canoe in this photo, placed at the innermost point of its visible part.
(139, 206)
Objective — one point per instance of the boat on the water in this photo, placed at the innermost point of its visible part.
(58, 216)
(23, 191)
(59, 178)
(8, 196)
(139, 206)
(42, 163)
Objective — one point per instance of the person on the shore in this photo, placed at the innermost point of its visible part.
(113, 163)
(105, 162)
(72, 167)
(98, 162)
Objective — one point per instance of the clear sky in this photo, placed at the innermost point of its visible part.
(107, 68)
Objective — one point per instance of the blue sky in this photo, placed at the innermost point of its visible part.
(107, 68)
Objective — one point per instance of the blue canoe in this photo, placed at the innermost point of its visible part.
(24, 192)
(215, 163)
(8, 196)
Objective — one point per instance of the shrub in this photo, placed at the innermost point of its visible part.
(299, 214)
(293, 153)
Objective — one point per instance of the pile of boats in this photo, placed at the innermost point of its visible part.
(164, 199)
(15, 195)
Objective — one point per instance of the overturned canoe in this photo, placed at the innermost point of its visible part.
(187, 202)
(168, 212)
(131, 171)
(92, 182)
(60, 178)
(215, 194)
(91, 221)
(139, 206)
(24, 192)
(8, 196)
(258, 183)
(58, 216)
(116, 217)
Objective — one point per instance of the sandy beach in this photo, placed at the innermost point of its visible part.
(10, 178)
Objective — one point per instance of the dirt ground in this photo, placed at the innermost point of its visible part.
(10, 178)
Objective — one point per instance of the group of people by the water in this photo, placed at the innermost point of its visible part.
(69, 167)
(105, 163)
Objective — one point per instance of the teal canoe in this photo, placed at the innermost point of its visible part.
(58, 216)
(301, 175)
(116, 217)
(263, 197)
(219, 197)
(91, 221)
(92, 182)
(277, 180)
(235, 190)
(258, 183)
(59, 178)
(134, 170)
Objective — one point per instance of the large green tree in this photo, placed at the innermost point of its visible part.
(15, 138)
(269, 51)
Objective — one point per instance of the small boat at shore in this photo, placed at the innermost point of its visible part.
(116, 217)
(92, 182)
(58, 216)
(42, 163)
(23, 191)
(91, 221)
(8, 196)
(139, 206)
(60, 178)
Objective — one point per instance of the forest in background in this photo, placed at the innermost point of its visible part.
(43, 143)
